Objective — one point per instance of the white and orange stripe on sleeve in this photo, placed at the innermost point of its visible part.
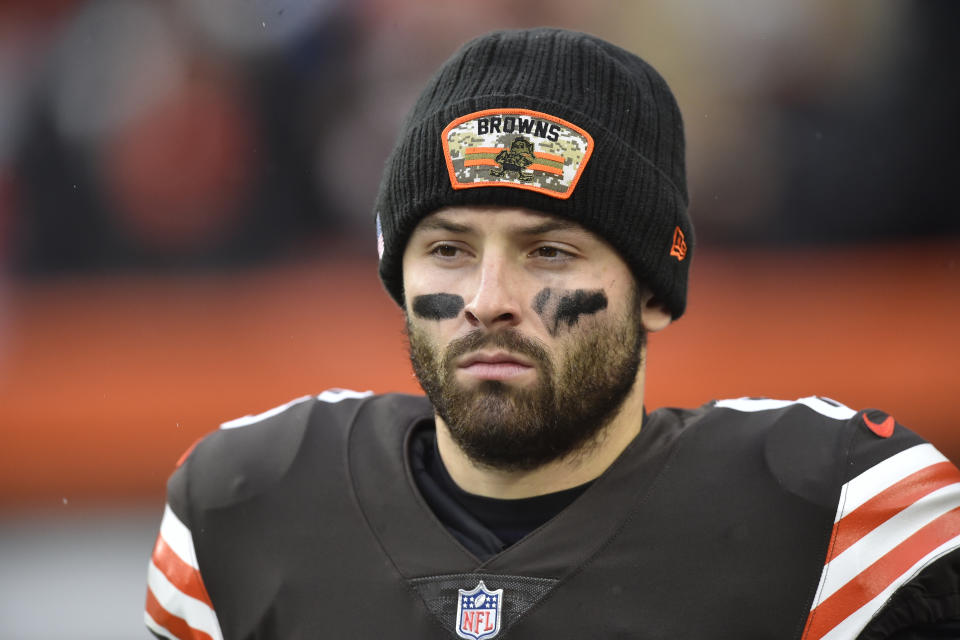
(178, 606)
(892, 521)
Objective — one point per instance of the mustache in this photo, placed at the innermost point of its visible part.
(506, 340)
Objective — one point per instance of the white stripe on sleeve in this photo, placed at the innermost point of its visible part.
(885, 474)
(855, 622)
(178, 537)
(197, 614)
(885, 537)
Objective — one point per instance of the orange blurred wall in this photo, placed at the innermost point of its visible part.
(104, 382)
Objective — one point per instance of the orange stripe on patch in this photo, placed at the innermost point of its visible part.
(548, 156)
(536, 166)
(881, 574)
(484, 149)
(175, 625)
(480, 162)
(874, 512)
(179, 573)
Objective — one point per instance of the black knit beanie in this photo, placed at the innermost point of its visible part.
(555, 121)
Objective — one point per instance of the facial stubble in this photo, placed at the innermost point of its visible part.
(513, 428)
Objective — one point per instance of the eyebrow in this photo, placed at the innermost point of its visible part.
(547, 227)
(442, 224)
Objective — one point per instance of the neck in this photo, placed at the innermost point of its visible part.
(571, 471)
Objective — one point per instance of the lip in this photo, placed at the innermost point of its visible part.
(494, 357)
(495, 366)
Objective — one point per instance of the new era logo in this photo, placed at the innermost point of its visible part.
(679, 247)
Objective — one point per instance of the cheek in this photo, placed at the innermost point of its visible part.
(426, 343)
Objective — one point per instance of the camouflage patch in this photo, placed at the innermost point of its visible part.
(516, 148)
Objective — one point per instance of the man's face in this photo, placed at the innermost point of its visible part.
(524, 331)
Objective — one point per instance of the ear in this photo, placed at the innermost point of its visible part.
(654, 314)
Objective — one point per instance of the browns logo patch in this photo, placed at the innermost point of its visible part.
(516, 148)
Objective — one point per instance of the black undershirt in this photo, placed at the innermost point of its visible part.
(484, 526)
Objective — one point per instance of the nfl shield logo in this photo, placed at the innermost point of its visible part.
(478, 612)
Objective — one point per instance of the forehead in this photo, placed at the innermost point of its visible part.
(491, 219)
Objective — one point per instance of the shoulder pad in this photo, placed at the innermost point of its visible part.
(248, 455)
(803, 442)
(814, 445)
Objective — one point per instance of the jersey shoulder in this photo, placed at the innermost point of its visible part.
(813, 427)
(893, 555)
(811, 446)
(248, 455)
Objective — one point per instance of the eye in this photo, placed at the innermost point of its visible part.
(446, 251)
(551, 252)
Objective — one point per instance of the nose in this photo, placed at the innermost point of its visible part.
(495, 303)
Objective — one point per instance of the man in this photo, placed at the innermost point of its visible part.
(532, 223)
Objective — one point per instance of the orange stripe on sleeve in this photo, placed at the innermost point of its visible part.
(186, 454)
(179, 573)
(173, 624)
(881, 574)
(889, 503)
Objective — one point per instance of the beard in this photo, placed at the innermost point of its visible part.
(564, 413)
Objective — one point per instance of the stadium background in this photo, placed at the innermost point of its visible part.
(186, 234)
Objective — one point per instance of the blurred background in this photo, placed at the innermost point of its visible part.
(186, 233)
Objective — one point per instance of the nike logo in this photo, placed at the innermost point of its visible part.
(884, 429)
